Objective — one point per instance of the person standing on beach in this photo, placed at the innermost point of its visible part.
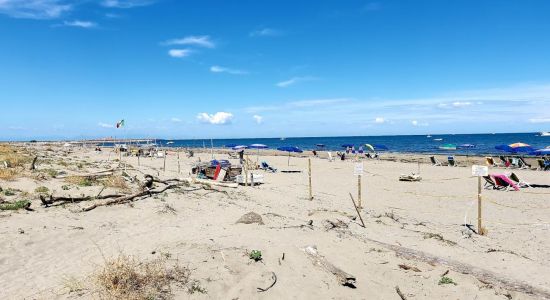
(241, 156)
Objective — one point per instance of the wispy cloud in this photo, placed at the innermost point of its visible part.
(294, 80)
(219, 118)
(105, 125)
(264, 32)
(539, 120)
(35, 9)
(176, 120)
(455, 104)
(259, 119)
(199, 41)
(179, 53)
(379, 120)
(81, 24)
(126, 3)
(218, 69)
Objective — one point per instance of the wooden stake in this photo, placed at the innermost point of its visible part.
(479, 229)
(179, 168)
(357, 210)
(359, 191)
(164, 167)
(309, 173)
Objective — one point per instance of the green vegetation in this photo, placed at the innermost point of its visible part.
(446, 280)
(15, 205)
(256, 255)
(41, 190)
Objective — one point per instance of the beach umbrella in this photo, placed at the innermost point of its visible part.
(239, 147)
(257, 147)
(520, 147)
(369, 147)
(290, 149)
(541, 152)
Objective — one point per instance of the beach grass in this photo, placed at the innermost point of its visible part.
(17, 205)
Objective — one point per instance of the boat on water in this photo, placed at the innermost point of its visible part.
(169, 143)
(438, 140)
(428, 136)
(545, 133)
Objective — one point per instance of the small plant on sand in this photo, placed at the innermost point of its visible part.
(65, 187)
(81, 181)
(20, 204)
(117, 182)
(51, 172)
(126, 277)
(446, 280)
(195, 287)
(41, 190)
(8, 174)
(9, 192)
(256, 255)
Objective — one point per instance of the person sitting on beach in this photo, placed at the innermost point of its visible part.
(343, 156)
(314, 152)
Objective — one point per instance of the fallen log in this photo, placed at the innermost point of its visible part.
(62, 200)
(343, 278)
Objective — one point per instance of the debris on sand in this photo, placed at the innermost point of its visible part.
(251, 218)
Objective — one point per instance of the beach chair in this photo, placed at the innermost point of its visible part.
(452, 161)
(501, 180)
(522, 164)
(435, 162)
(491, 162)
(504, 161)
(520, 183)
(266, 167)
(489, 183)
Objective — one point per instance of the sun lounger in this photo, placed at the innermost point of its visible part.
(266, 167)
(491, 162)
(503, 181)
(489, 183)
(504, 161)
(452, 161)
(435, 162)
(522, 184)
(523, 164)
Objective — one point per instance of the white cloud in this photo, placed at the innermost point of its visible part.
(126, 3)
(294, 80)
(105, 125)
(219, 118)
(539, 120)
(265, 32)
(218, 69)
(35, 9)
(179, 53)
(258, 119)
(199, 41)
(379, 120)
(456, 104)
(78, 23)
(416, 123)
(176, 120)
(461, 104)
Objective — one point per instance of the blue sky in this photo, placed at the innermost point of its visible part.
(212, 69)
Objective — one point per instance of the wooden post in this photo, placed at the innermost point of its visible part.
(479, 228)
(309, 173)
(164, 166)
(359, 191)
(179, 168)
(357, 210)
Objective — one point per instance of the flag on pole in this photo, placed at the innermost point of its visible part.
(120, 124)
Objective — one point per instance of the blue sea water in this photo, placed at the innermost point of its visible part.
(484, 143)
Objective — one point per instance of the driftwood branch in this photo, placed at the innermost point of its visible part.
(274, 277)
(343, 278)
(61, 200)
(33, 164)
(484, 276)
(129, 198)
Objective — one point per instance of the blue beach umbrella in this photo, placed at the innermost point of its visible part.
(239, 147)
(541, 152)
(290, 149)
(258, 147)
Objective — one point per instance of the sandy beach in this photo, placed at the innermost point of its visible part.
(413, 245)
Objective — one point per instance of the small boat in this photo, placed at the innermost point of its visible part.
(282, 139)
(438, 140)
(428, 136)
(169, 143)
(545, 133)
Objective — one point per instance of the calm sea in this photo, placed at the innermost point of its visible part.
(484, 143)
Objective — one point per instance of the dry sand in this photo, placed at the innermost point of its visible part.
(47, 252)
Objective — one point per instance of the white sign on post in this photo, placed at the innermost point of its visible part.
(358, 169)
(479, 171)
